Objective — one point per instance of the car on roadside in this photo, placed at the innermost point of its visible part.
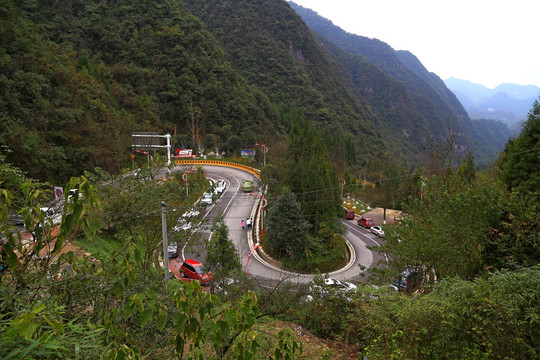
(195, 270)
(408, 280)
(191, 214)
(55, 216)
(15, 219)
(331, 286)
(366, 222)
(206, 199)
(377, 230)
(183, 225)
(349, 214)
(219, 187)
(173, 250)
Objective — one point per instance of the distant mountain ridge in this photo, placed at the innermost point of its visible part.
(80, 76)
(509, 103)
(436, 107)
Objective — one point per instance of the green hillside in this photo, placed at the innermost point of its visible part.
(79, 77)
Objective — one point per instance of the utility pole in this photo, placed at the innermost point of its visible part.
(164, 233)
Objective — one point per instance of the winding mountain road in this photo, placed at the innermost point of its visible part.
(236, 205)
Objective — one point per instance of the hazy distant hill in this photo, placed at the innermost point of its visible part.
(509, 103)
(401, 65)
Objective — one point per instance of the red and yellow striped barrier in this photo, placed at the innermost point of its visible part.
(249, 169)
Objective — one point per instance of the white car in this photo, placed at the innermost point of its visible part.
(377, 230)
(220, 187)
(51, 214)
(190, 214)
(206, 199)
(182, 226)
(332, 286)
(340, 285)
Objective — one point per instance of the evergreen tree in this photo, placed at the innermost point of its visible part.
(221, 251)
(308, 173)
(286, 229)
(520, 161)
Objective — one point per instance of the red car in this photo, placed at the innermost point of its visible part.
(194, 270)
(366, 222)
(349, 214)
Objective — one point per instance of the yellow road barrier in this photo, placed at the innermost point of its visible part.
(249, 169)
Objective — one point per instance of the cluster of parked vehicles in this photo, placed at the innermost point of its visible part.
(365, 222)
(192, 270)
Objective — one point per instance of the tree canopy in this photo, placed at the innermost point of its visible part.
(520, 162)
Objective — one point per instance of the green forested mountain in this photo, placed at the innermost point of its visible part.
(78, 77)
(271, 47)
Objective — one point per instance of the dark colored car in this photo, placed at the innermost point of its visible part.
(409, 280)
(349, 214)
(194, 270)
(172, 250)
(366, 222)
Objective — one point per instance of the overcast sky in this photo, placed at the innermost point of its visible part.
(488, 42)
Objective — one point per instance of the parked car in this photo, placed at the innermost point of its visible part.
(52, 214)
(15, 219)
(206, 199)
(194, 270)
(377, 230)
(220, 187)
(172, 250)
(190, 214)
(366, 222)
(331, 286)
(349, 214)
(408, 280)
(182, 225)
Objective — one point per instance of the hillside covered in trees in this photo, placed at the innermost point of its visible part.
(401, 75)
(79, 77)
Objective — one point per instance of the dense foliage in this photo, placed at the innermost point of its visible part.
(221, 253)
(409, 102)
(305, 202)
(76, 75)
(491, 318)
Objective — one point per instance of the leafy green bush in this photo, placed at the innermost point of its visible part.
(493, 318)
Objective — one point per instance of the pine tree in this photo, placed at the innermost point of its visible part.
(520, 161)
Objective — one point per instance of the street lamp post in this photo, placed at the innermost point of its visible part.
(184, 177)
(265, 202)
(265, 150)
(164, 234)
